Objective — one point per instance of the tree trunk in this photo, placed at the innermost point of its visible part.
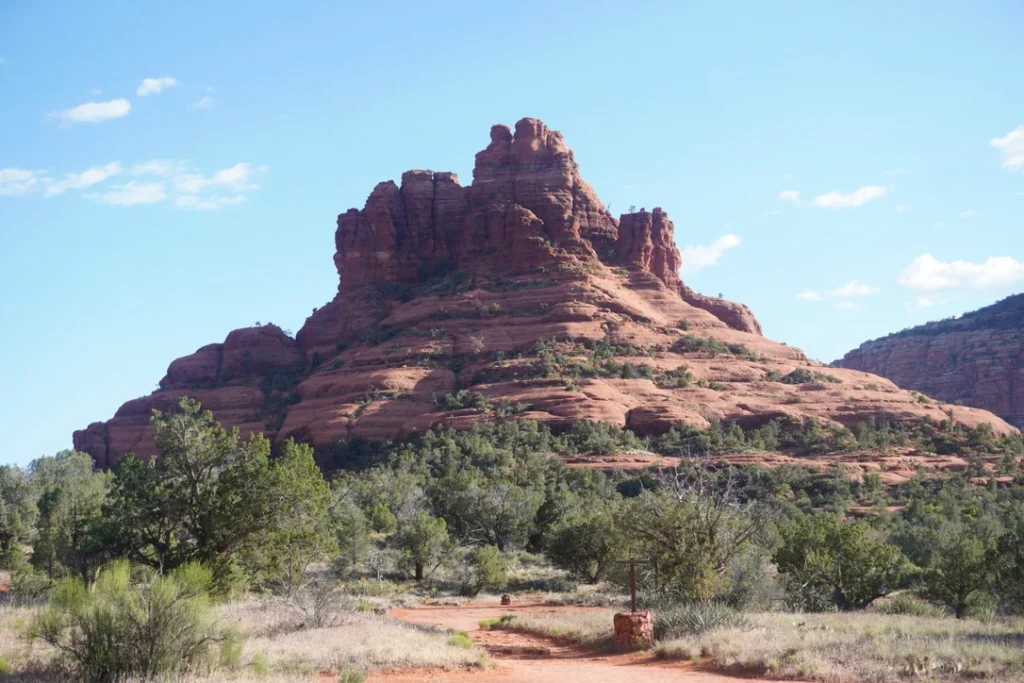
(419, 571)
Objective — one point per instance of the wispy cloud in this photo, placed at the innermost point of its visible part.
(164, 167)
(80, 181)
(158, 180)
(204, 103)
(131, 194)
(896, 171)
(790, 195)
(155, 86)
(190, 201)
(699, 257)
(1011, 148)
(2, 61)
(940, 225)
(93, 112)
(15, 182)
(860, 196)
(927, 273)
(853, 288)
(969, 213)
(237, 178)
(845, 305)
(903, 208)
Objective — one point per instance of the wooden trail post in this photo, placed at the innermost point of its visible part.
(632, 581)
(634, 630)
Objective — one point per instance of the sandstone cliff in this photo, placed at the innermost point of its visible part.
(521, 287)
(977, 358)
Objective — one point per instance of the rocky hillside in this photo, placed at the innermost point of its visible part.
(517, 297)
(977, 359)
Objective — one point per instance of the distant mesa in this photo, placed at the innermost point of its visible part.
(523, 290)
(976, 359)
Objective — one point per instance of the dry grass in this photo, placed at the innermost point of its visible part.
(358, 640)
(588, 627)
(861, 647)
(278, 648)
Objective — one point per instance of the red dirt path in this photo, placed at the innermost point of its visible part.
(527, 658)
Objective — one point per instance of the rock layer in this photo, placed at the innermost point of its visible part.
(977, 359)
(444, 287)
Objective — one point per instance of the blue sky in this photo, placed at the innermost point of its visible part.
(845, 171)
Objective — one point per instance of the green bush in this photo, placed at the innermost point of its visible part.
(908, 604)
(695, 618)
(161, 625)
(803, 376)
(488, 569)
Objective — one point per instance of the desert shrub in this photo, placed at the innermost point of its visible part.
(693, 344)
(318, 603)
(695, 618)
(908, 604)
(675, 379)
(803, 376)
(487, 568)
(460, 639)
(586, 542)
(159, 625)
(463, 398)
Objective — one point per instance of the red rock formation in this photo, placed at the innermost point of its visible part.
(443, 287)
(977, 358)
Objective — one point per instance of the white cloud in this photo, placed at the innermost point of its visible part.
(940, 224)
(210, 88)
(969, 213)
(926, 273)
(896, 171)
(786, 178)
(838, 200)
(191, 201)
(131, 194)
(903, 208)
(853, 288)
(700, 257)
(158, 180)
(83, 180)
(845, 305)
(237, 178)
(155, 86)
(162, 167)
(95, 91)
(790, 195)
(93, 112)
(15, 182)
(1011, 148)
(204, 103)
(632, 187)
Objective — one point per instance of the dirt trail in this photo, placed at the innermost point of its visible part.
(527, 658)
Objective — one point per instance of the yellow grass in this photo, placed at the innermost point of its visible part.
(277, 647)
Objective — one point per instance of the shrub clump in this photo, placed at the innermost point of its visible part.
(696, 618)
(158, 626)
(804, 376)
